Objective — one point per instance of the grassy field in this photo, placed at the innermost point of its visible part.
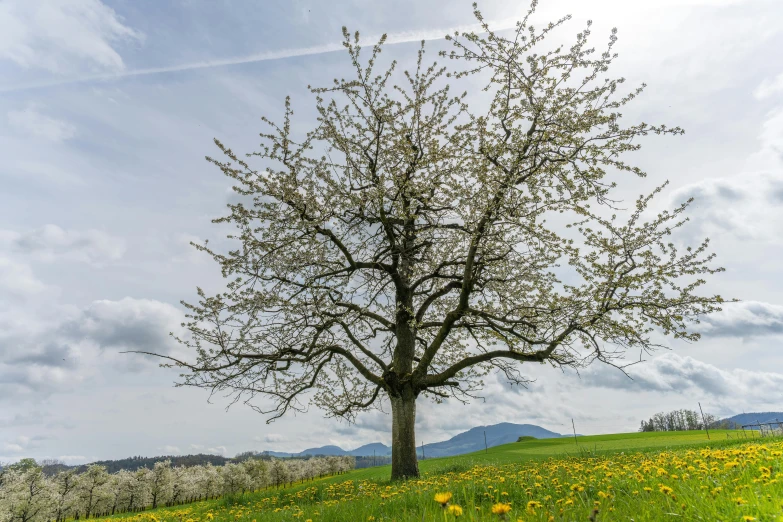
(636, 476)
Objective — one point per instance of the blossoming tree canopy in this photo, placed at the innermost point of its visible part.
(403, 246)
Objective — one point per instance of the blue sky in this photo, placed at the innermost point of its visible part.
(107, 110)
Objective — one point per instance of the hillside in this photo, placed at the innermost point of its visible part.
(522, 467)
(754, 418)
(473, 439)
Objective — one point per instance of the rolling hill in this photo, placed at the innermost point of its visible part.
(754, 418)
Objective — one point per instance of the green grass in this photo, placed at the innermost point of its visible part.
(632, 476)
(564, 447)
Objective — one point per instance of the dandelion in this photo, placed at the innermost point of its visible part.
(455, 510)
(666, 490)
(443, 498)
(748, 518)
(500, 509)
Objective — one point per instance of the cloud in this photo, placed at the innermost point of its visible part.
(20, 443)
(33, 123)
(747, 207)
(271, 437)
(216, 450)
(170, 450)
(769, 87)
(392, 38)
(83, 344)
(26, 418)
(62, 37)
(51, 243)
(127, 324)
(744, 319)
(17, 280)
(674, 373)
(49, 354)
(16, 382)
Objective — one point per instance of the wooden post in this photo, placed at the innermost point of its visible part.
(486, 448)
(574, 428)
(705, 422)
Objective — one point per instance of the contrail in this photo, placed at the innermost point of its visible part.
(394, 38)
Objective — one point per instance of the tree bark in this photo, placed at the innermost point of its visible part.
(404, 462)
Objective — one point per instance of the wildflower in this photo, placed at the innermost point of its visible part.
(501, 508)
(533, 504)
(666, 490)
(455, 510)
(443, 498)
(748, 518)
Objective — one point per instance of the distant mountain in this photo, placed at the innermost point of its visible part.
(324, 450)
(755, 418)
(497, 434)
(278, 454)
(466, 442)
(380, 449)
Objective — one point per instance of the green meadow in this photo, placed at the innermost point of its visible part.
(630, 476)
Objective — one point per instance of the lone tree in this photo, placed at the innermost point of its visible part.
(401, 247)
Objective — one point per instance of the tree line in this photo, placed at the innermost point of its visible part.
(27, 494)
(685, 420)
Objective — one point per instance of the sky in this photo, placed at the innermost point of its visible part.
(107, 109)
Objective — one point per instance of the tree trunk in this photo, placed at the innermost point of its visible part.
(404, 462)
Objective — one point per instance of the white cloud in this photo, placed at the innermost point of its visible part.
(745, 319)
(215, 450)
(171, 450)
(770, 153)
(51, 243)
(748, 205)
(17, 279)
(62, 37)
(677, 374)
(54, 354)
(128, 324)
(13, 448)
(33, 123)
(769, 87)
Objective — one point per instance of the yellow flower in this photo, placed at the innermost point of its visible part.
(501, 508)
(455, 510)
(748, 518)
(666, 490)
(443, 498)
(533, 504)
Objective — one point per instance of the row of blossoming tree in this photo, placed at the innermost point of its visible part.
(27, 494)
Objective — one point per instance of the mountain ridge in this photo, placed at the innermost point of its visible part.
(465, 442)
